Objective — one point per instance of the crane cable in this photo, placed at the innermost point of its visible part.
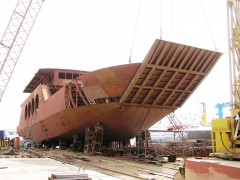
(134, 34)
(172, 18)
(160, 19)
(209, 27)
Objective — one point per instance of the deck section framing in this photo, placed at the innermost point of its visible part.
(169, 74)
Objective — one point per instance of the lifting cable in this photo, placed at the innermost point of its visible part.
(160, 19)
(172, 18)
(209, 27)
(134, 34)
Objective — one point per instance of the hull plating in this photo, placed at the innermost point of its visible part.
(125, 98)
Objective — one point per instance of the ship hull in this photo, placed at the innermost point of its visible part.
(120, 122)
(125, 99)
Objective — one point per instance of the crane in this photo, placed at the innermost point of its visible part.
(225, 132)
(220, 106)
(15, 37)
(204, 115)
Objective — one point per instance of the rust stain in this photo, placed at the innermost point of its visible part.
(209, 169)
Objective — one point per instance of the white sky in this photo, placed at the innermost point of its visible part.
(93, 34)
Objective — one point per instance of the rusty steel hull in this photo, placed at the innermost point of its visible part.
(62, 115)
(120, 122)
(124, 99)
(213, 169)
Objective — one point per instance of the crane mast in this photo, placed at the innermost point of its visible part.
(233, 15)
(15, 37)
(225, 131)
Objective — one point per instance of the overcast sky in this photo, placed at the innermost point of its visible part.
(92, 34)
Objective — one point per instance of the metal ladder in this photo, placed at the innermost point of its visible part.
(186, 144)
(178, 127)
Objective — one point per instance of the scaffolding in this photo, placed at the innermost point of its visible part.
(93, 139)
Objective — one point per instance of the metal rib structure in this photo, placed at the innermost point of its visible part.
(169, 75)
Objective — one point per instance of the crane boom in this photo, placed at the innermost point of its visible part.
(15, 37)
(233, 14)
(226, 131)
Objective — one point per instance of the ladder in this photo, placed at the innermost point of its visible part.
(97, 139)
(88, 140)
(186, 144)
(15, 37)
(178, 127)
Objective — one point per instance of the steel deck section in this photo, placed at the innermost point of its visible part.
(169, 75)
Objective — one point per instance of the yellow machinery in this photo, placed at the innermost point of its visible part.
(225, 137)
(225, 132)
(204, 115)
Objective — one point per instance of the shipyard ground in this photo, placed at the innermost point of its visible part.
(40, 165)
(43, 165)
